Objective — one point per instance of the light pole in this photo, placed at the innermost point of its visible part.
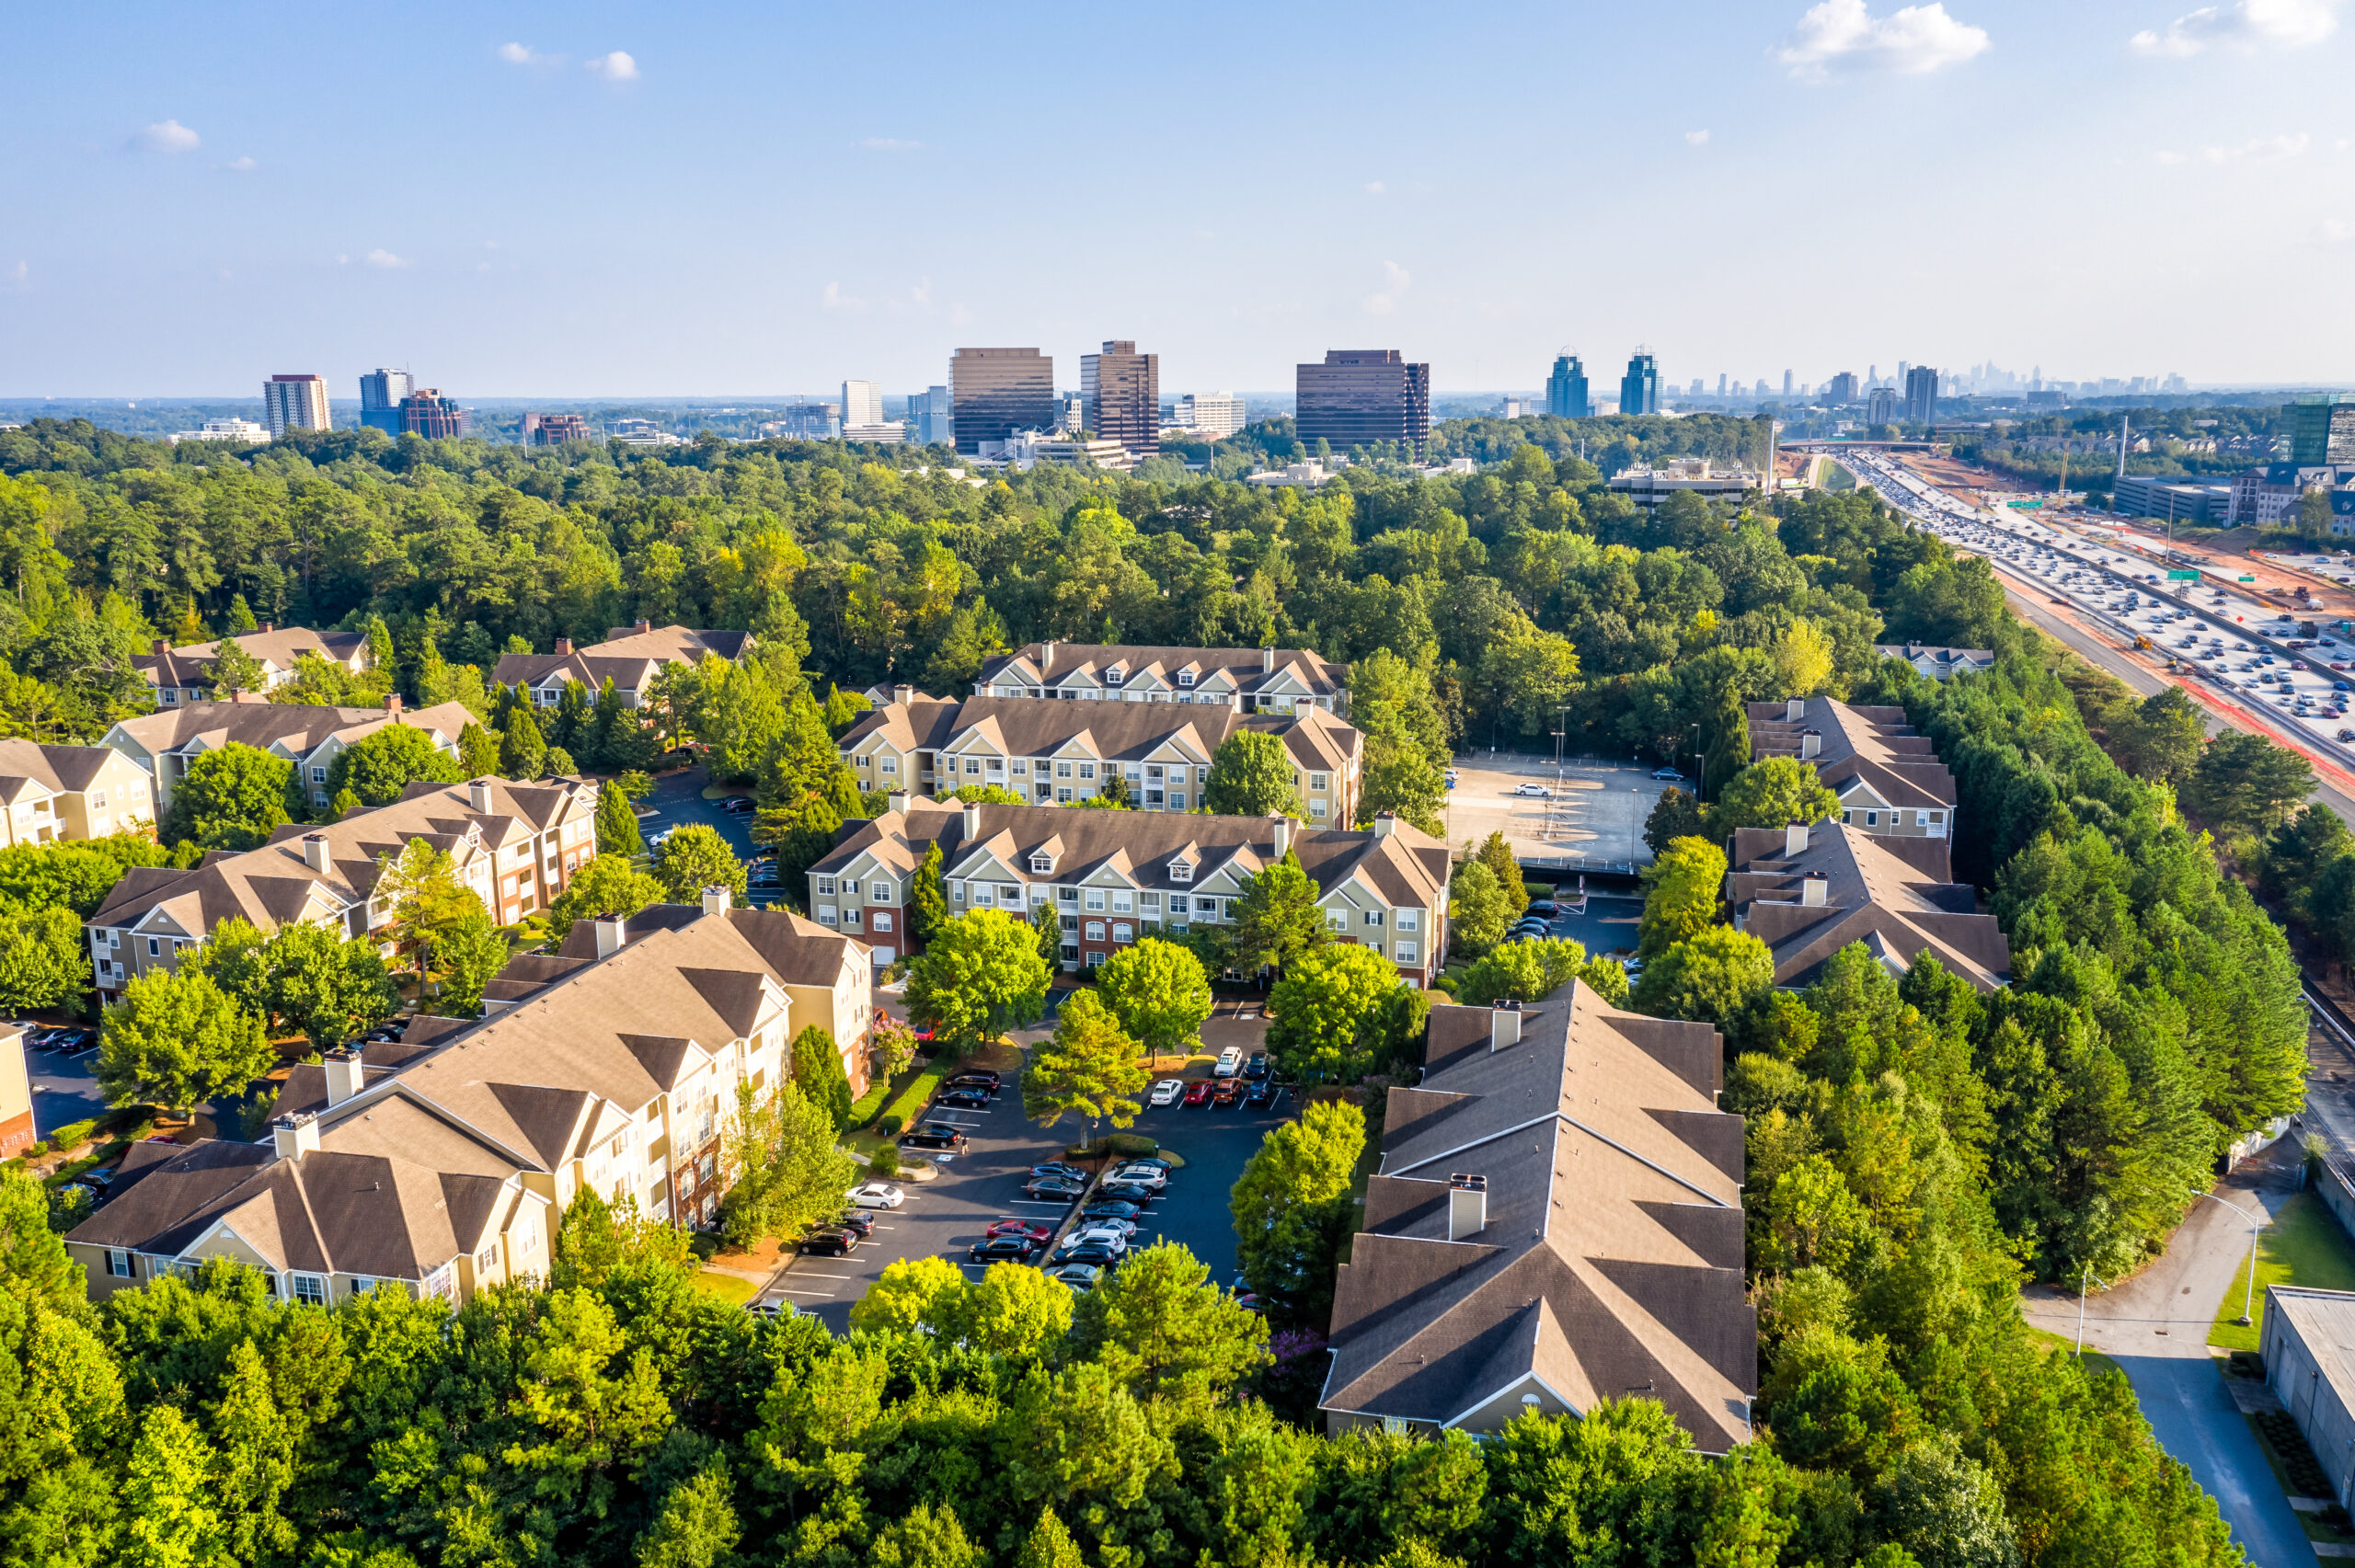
(2085, 1272)
(2248, 1297)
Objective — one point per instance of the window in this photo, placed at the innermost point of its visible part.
(319, 776)
(1038, 896)
(880, 892)
(488, 1259)
(154, 949)
(1062, 795)
(1206, 906)
(311, 1289)
(1181, 870)
(1095, 931)
(1407, 953)
(826, 915)
(1317, 808)
(1184, 678)
(1088, 770)
(1123, 900)
(850, 919)
(1062, 770)
(1177, 800)
(956, 892)
(1320, 781)
(118, 1263)
(1123, 932)
(882, 922)
(98, 799)
(1113, 675)
(1095, 899)
(1095, 960)
(1042, 864)
(1336, 919)
(1872, 818)
(1409, 919)
(1136, 774)
(826, 884)
(973, 766)
(1021, 769)
(891, 764)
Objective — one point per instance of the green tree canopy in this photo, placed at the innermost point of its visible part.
(695, 857)
(231, 797)
(179, 1041)
(980, 976)
(1159, 993)
(1316, 1012)
(1710, 978)
(1773, 793)
(1682, 890)
(1088, 1067)
(1277, 919)
(817, 1069)
(607, 886)
(1251, 775)
(1293, 1208)
(379, 766)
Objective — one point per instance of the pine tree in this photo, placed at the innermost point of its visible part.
(478, 751)
(571, 714)
(235, 670)
(927, 897)
(618, 824)
(521, 753)
(595, 746)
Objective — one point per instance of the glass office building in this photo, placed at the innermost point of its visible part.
(381, 394)
(994, 392)
(1565, 388)
(1119, 394)
(1363, 398)
(1640, 388)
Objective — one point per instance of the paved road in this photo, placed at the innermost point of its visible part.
(2155, 1326)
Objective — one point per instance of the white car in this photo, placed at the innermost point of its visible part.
(1170, 1090)
(1117, 1241)
(1105, 1230)
(876, 1195)
(1536, 791)
(1230, 1062)
(1139, 1175)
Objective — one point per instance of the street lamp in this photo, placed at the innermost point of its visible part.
(2085, 1272)
(2248, 1297)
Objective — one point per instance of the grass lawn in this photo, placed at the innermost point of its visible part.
(2066, 1345)
(727, 1287)
(2303, 1246)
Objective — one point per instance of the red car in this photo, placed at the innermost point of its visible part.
(1199, 1091)
(1031, 1229)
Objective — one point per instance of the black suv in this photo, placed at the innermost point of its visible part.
(1257, 1068)
(933, 1134)
(830, 1242)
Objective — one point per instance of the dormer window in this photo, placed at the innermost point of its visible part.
(1181, 870)
(1184, 678)
(1042, 864)
(1112, 677)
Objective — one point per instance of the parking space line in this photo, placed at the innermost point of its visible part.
(822, 1295)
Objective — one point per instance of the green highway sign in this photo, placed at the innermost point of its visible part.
(2025, 505)
(2247, 579)
(2183, 577)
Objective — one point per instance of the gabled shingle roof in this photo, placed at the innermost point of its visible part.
(1022, 727)
(1872, 745)
(295, 728)
(625, 656)
(1053, 664)
(1890, 893)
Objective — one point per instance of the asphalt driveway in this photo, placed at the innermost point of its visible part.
(678, 801)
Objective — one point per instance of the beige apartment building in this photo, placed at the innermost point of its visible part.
(163, 743)
(178, 675)
(1268, 679)
(49, 793)
(630, 657)
(1889, 780)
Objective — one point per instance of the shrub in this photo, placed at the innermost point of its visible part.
(885, 1162)
(71, 1134)
(889, 1127)
(1133, 1143)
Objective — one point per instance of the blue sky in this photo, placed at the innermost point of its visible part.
(587, 199)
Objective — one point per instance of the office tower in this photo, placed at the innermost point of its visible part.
(1921, 394)
(381, 392)
(294, 403)
(1640, 388)
(1361, 397)
(427, 413)
(928, 421)
(2322, 427)
(1698, 389)
(994, 392)
(1119, 394)
(1786, 384)
(1566, 389)
(1843, 387)
(555, 430)
(1217, 415)
(1763, 390)
(1881, 407)
(1721, 384)
(861, 403)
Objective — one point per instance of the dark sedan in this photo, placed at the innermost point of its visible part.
(1003, 1249)
(1262, 1096)
(965, 1099)
(1124, 1192)
(1111, 1208)
(1094, 1253)
(985, 1083)
(862, 1220)
(933, 1138)
(1257, 1068)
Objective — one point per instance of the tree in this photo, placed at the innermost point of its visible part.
(379, 766)
(427, 902)
(2246, 784)
(1049, 1545)
(1015, 1312)
(471, 953)
(697, 1526)
(1727, 729)
(523, 754)
(1525, 971)
(1682, 890)
(1159, 1326)
(1479, 912)
(477, 753)
(1803, 659)
(1159, 993)
(1675, 814)
(230, 798)
(2164, 737)
(1709, 979)
(235, 670)
(1277, 919)
(817, 1069)
(1293, 1208)
(1089, 1066)
(609, 721)
(607, 886)
(568, 726)
(1252, 775)
(788, 1173)
(42, 960)
(980, 976)
(1399, 778)
(33, 1258)
(695, 857)
(927, 897)
(1113, 794)
(1498, 857)
(329, 985)
(1316, 1010)
(168, 1517)
(1773, 793)
(919, 1294)
(179, 1041)
(617, 831)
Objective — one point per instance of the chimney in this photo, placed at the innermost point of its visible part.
(903, 694)
(1795, 836)
(897, 800)
(479, 796)
(563, 646)
(611, 931)
(1384, 824)
(343, 1074)
(393, 707)
(1282, 826)
(1267, 661)
(1468, 1207)
(267, 627)
(1794, 709)
(295, 1136)
(314, 852)
(1810, 743)
(162, 647)
(642, 627)
(1812, 889)
(972, 822)
(718, 901)
(1504, 1025)
(1046, 657)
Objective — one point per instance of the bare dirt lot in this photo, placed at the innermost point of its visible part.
(1594, 821)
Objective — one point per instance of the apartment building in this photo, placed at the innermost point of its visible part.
(165, 743)
(631, 657)
(1938, 663)
(1268, 679)
(1809, 892)
(49, 793)
(1116, 877)
(1556, 1220)
(1887, 778)
(515, 844)
(1061, 752)
(440, 1164)
(178, 675)
(18, 1127)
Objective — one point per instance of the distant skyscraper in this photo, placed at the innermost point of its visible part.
(995, 392)
(1566, 389)
(427, 413)
(2322, 427)
(1120, 391)
(1843, 388)
(1872, 375)
(928, 418)
(1217, 415)
(294, 403)
(1786, 384)
(1640, 388)
(381, 392)
(1881, 408)
(1921, 394)
(861, 403)
(1361, 397)
(555, 430)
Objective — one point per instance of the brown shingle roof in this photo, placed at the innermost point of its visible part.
(1890, 893)
(1875, 745)
(1050, 664)
(1023, 726)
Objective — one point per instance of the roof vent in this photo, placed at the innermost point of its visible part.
(1468, 1205)
(1504, 1025)
(972, 822)
(1795, 836)
(343, 1069)
(1267, 661)
(1812, 891)
(314, 852)
(1282, 826)
(718, 901)
(611, 931)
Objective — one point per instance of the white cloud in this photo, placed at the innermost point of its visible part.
(1696, 138)
(1375, 188)
(1842, 35)
(166, 136)
(20, 275)
(614, 67)
(517, 54)
(2245, 24)
(384, 258)
(890, 145)
(244, 165)
(836, 299)
(343, 261)
(2173, 158)
(1397, 278)
(2260, 150)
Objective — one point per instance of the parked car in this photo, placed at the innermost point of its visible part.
(876, 1195)
(1257, 1068)
(932, 1135)
(1030, 1227)
(1168, 1091)
(980, 1075)
(1053, 1189)
(1139, 1175)
(1094, 1255)
(964, 1099)
(1263, 1095)
(1228, 1094)
(1125, 1192)
(1111, 1208)
(1543, 909)
(1001, 1249)
(986, 1084)
(831, 1243)
(1058, 1167)
(1535, 790)
(737, 805)
(1110, 1225)
(1148, 1162)
(858, 1220)
(1668, 775)
(1078, 1276)
(1199, 1091)
(1230, 1062)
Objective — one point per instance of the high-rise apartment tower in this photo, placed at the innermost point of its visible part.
(1921, 394)
(294, 403)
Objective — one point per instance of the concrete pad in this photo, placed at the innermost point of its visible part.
(1594, 821)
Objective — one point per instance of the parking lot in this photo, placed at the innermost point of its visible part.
(65, 1089)
(943, 1216)
(678, 800)
(1596, 816)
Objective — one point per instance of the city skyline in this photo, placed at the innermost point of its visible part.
(691, 242)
